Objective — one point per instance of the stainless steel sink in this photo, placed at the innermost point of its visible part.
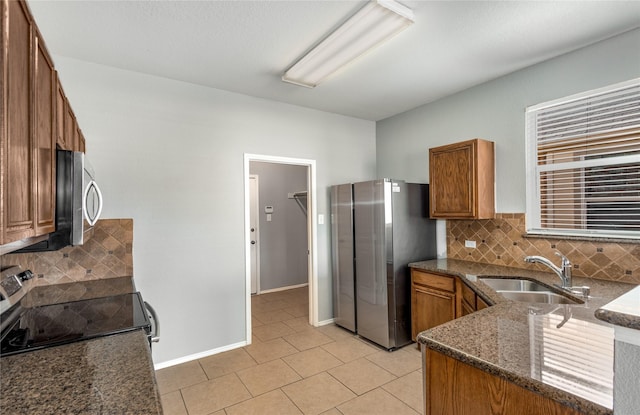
(527, 291)
(547, 297)
(511, 284)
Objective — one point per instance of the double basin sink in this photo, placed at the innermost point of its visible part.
(527, 291)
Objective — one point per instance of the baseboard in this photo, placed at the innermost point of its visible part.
(200, 355)
(290, 287)
(211, 352)
(326, 322)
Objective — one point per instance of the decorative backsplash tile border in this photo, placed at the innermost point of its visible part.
(107, 254)
(501, 241)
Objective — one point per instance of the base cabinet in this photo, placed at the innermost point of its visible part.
(437, 299)
(456, 388)
(433, 300)
(468, 299)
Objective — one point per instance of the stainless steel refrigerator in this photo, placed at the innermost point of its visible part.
(378, 228)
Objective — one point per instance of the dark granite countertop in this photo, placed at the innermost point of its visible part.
(108, 375)
(560, 351)
(624, 311)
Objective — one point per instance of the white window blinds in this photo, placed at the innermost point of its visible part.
(573, 355)
(583, 160)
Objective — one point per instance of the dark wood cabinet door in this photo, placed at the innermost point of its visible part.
(430, 308)
(456, 388)
(45, 141)
(61, 112)
(35, 116)
(17, 94)
(481, 304)
(69, 126)
(462, 180)
(452, 181)
(467, 309)
(77, 137)
(82, 144)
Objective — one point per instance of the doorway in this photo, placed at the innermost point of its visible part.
(254, 204)
(311, 224)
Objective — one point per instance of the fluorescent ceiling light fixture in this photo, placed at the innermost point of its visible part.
(372, 25)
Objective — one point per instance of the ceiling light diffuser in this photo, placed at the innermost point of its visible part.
(372, 25)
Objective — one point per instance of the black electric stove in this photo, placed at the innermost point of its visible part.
(27, 329)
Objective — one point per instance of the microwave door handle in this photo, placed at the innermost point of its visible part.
(99, 194)
(92, 220)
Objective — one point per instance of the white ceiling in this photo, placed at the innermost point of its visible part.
(244, 46)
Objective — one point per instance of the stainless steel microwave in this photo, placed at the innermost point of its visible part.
(78, 203)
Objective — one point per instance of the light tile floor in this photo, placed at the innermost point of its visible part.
(294, 368)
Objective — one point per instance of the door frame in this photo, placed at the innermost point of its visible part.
(312, 230)
(256, 206)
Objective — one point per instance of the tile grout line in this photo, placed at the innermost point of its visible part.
(301, 328)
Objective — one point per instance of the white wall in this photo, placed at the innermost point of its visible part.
(170, 155)
(495, 111)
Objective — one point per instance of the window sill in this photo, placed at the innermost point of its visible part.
(582, 238)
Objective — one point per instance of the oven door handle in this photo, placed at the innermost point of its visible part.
(155, 334)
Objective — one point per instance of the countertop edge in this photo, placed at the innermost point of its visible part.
(498, 302)
(530, 384)
(623, 311)
(619, 319)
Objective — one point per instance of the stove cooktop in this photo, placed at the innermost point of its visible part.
(56, 324)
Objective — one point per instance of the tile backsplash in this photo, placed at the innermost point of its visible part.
(501, 241)
(107, 254)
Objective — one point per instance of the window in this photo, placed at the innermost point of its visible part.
(583, 164)
(572, 354)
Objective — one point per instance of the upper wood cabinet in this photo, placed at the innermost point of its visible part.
(17, 126)
(462, 180)
(44, 140)
(31, 124)
(80, 142)
(68, 133)
(61, 111)
(69, 127)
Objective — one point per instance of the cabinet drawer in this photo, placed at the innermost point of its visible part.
(468, 296)
(440, 282)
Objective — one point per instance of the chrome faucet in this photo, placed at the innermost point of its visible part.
(564, 271)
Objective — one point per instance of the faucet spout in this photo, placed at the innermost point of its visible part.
(563, 271)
